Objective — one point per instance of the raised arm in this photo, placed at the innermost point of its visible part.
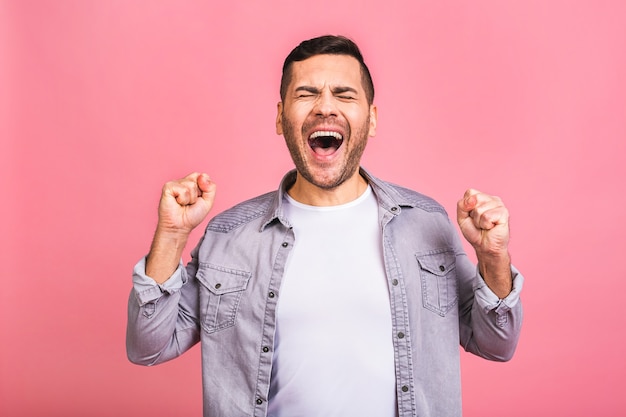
(491, 320)
(162, 318)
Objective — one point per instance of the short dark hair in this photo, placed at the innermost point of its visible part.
(326, 45)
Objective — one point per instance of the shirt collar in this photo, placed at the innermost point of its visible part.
(388, 198)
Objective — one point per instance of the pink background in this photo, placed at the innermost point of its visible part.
(103, 101)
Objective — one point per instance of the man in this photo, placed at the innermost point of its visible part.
(338, 294)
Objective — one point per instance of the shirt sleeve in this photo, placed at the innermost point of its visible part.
(162, 323)
(147, 289)
(490, 328)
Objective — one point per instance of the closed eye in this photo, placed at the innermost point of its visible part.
(306, 91)
(345, 93)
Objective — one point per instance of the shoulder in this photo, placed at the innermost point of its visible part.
(419, 200)
(406, 197)
(243, 213)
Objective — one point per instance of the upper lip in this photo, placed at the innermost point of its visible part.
(326, 127)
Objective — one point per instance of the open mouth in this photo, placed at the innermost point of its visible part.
(325, 142)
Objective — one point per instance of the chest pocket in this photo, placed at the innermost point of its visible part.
(220, 294)
(438, 278)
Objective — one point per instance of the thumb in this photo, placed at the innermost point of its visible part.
(466, 204)
(206, 186)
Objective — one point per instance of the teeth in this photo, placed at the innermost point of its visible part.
(322, 133)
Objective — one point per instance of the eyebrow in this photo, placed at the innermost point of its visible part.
(334, 90)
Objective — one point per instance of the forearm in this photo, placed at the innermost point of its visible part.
(165, 254)
(496, 271)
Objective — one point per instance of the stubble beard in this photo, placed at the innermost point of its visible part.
(348, 166)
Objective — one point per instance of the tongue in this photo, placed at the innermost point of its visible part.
(324, 151)
(325, 145)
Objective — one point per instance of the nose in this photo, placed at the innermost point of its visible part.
(325, 105)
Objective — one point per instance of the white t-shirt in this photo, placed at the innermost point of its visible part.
(333, 348)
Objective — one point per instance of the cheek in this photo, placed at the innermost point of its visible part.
(295, 118)
(291, 131)
(358, 117)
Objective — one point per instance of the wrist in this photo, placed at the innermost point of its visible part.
(165, 254)
(171, 234)
(496, 271)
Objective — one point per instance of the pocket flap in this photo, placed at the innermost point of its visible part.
(221, 280)
(438, 263)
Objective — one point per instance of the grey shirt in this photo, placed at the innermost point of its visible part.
(226, 298)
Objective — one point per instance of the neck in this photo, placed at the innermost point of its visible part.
(307, 193)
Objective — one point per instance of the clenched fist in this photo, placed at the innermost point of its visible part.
(185, 203)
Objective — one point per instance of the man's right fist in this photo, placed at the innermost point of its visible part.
(185, 203)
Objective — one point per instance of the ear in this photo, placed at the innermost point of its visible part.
(373, 120)
(279, 118)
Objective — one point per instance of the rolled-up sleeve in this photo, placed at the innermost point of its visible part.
(492, 328)
(488, 300)
(161, 322)
(147, 289)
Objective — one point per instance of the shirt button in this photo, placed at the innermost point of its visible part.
(266, 349)
(442, 268)
(394, 209)
(285, 244)
(217, 286)
(271, 294)
(259, 401)
(394, 282)
(400, 335)
(405, 388)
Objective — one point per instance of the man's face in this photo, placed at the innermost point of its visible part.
(326, 119)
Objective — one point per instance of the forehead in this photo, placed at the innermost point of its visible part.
(332, 70)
